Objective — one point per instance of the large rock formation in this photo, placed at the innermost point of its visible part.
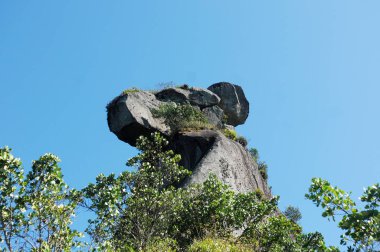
(203, 151)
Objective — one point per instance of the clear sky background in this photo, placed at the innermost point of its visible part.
(310, 69)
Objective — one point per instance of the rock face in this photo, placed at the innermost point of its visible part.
(202, 151)
(215, 115)
(129, 116)
(206, 152)
(195, 96)
(233, 102)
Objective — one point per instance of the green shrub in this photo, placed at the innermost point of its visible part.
(143, 211)
(182, 117)
(242, 140)
(263, 169)
(161, 245)
(293, 214)
(231, 134)
(254, 153)
(217, 245)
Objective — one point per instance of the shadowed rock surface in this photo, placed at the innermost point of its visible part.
(203, 151)
(195, 96)
(207, 151)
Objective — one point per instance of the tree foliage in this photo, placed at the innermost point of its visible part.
(147, 210)
(135, 208)
(142, 209)
(361, 226)
(293, 214)
(36, 211)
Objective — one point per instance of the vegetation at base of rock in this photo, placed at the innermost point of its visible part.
(293, 214)
(144, 210)
(138, 209)
(182, 117)
(361, 226)
(36, 210)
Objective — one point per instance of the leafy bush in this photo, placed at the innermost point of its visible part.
(182, 117)
(144, 211)
(255, 154)
(137, 208)
(242, 140)
(361, 226)
(36, 211)
(167, 245)
(231, 134)
(263, 169)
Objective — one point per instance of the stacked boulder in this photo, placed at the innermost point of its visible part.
(203, 151)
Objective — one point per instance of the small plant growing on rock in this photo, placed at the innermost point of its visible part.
(263, 167)
(184, 86)
(242, 140)
(130, 90)
(231, 134)
(254, 153)
(182, 117)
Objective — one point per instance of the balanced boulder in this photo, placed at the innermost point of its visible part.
(233, 102)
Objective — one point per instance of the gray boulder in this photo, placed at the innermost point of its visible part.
(195, 96)
(129, 116)
(215, 115)
(233, 102)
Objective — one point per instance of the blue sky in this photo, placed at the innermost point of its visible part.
(310, 70)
